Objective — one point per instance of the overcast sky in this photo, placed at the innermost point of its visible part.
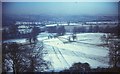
(61, 8)
(60, 0)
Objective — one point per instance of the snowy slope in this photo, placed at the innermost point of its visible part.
(62, 55)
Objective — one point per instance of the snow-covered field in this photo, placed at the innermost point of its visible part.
(84, 49)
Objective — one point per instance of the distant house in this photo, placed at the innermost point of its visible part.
(23, 29)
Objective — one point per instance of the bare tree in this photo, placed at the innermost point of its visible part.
(33, 35)
(106, 38)
(13, 58)
(114, 53)
(36, 58)
(113, 43)
(23, 58)
(103, 39)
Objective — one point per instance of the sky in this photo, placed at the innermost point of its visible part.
(61, 8)
(60, 0)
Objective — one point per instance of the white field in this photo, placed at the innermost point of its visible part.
(63, 55)
(85, 49)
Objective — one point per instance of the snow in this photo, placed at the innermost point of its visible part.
(65, 24)
(90, 38)
(23, 26)
(16, 40)
(51, 25)
(63, 55)
(102, 22)
(86, 46)
(75, 24)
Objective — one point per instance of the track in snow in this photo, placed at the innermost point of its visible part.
(61, 54)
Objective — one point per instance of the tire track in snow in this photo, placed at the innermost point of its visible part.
(55, 50)
(80, 54)
(63, 57)
(96, 58)
(46, 48)
(93, 57)
(89, 56)
(57, 55)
